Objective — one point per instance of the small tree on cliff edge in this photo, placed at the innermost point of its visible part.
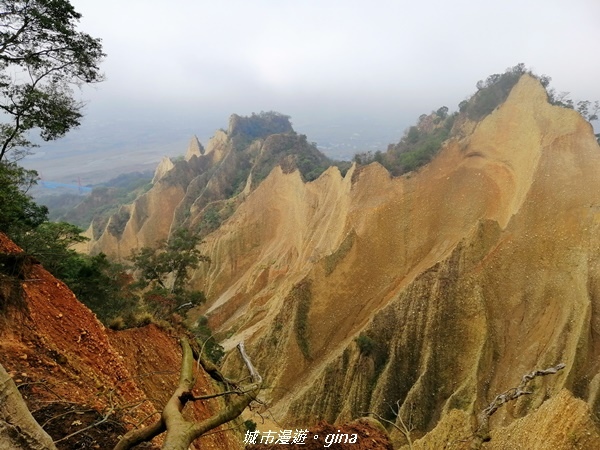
(172, 259)
(42, 56)
(163, 271)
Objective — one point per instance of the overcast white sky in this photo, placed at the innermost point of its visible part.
(326, 61)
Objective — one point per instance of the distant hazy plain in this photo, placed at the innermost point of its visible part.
(101, 149)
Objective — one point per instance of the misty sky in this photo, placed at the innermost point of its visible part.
(182, 67)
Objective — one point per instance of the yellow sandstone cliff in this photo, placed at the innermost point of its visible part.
(439, 289)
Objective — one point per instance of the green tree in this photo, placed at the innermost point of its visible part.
(51, 244)
(589, 110)
(104, 286)
(206, 338)
(442, 112)
(18, 212)
(42, 57)
(168, 265)
(101, 285)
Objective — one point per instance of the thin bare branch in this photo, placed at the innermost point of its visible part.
(482, 434)
(93, 425)
(403, 428)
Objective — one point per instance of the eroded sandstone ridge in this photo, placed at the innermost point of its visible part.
(203, 189)
(438, 289)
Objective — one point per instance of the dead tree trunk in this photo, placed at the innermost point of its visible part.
(180, 431)
(18, 428)
(482, 434)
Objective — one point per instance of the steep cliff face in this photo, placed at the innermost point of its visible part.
(439, 289)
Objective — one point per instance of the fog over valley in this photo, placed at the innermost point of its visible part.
(352, 76)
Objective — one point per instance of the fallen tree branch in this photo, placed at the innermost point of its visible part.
(482, 434)
(180, 431)
(210, 368)
(146, 434)
(188, 397)
(73, 411)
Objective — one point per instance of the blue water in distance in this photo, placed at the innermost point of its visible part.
(54, 185)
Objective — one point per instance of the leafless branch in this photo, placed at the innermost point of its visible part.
(180, 431)
(403, 428)
(482, 434)
(93, 425)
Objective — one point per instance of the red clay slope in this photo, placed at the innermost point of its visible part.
(65, 361)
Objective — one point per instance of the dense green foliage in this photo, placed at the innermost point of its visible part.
(300, 297)
(18, 212)
(171, 260)
(366, 345)
(106, 287)
(39, 38)
(118, 221)
(369, 347)
(259, 125)
(212, 217)
(162, 274)
(422, 141)
(281, 146)
(103, 286)
(495, 89)
(419, 145)
(291, 151)
(331, 261)
(492, 92)
(50, 242)
(98, 283)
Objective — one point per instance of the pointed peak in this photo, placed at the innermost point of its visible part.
(164, 166)
(194, 148)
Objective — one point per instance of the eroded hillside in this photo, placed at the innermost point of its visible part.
(438, 289)
(78, 377)
(202, 190)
